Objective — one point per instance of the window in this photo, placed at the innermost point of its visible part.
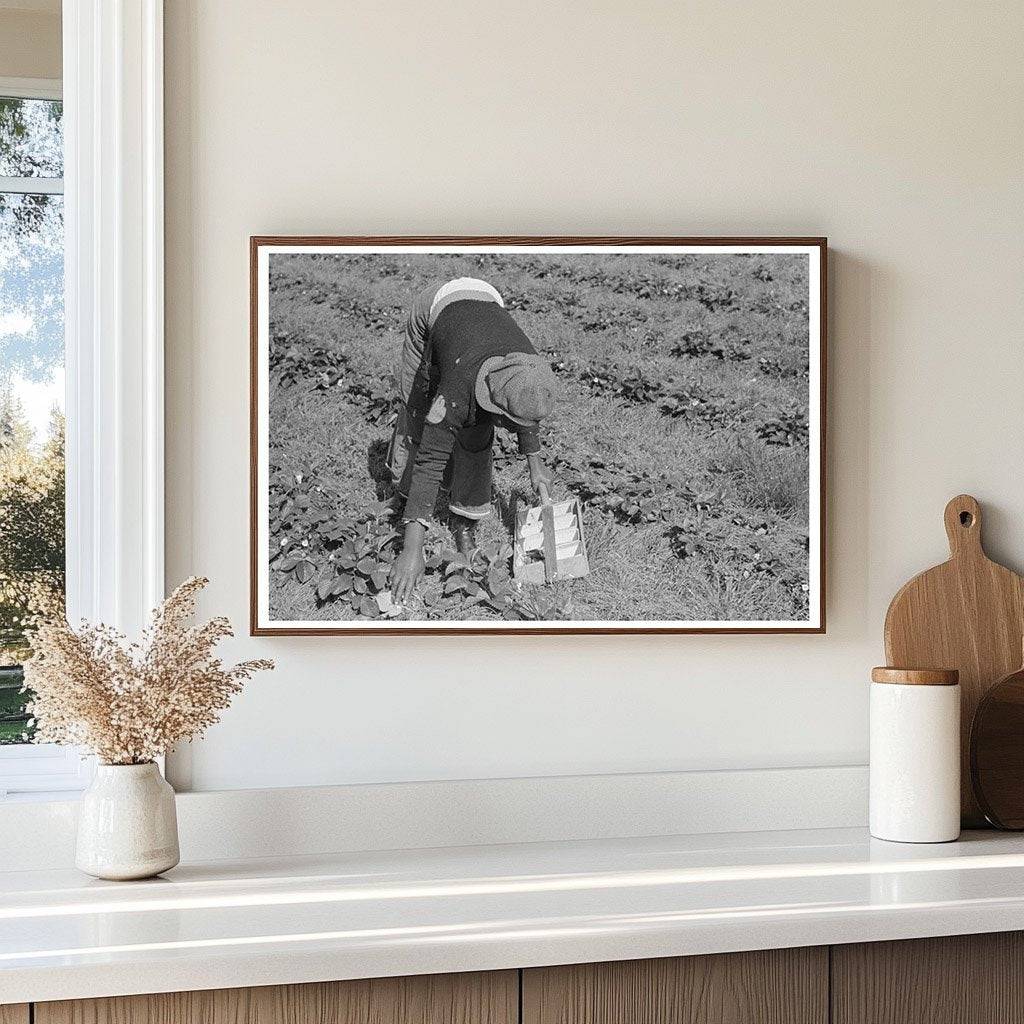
(31, 383)
(32, 513)
(85, 179)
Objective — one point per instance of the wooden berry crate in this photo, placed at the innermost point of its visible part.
(549, 544)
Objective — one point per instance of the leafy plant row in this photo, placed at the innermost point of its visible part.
(366, 315)
(328, 369)
(331, 368)
(713, 297)
(699, 344)
(697, 522)
(691, 402)
(703, 535)
(347, 560)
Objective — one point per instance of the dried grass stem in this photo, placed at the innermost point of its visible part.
(129, 703)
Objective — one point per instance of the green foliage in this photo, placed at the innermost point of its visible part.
(30, 146)
(30, 137)
(347, 563)
(789, 428)
(700, 344)
(31, 549)
(31, 521)
(15, 724)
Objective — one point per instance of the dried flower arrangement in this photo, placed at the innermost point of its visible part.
(129, 703)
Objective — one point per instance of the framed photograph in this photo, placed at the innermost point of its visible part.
(537, 435)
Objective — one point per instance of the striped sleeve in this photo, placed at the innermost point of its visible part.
(414, 350)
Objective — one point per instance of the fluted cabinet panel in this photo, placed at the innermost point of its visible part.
(960, 979)
(777, 986)
(490, 998)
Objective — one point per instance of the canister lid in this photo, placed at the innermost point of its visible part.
(916, 676)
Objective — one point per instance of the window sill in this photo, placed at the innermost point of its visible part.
(42, 771)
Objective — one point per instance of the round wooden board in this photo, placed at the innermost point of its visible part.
(997, 752)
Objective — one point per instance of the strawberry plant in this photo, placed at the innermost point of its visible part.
(298, 508)
(608, 487)
(353, 568)
(788, 428)
(697, 344)
(324, 369)
(713, 298)
(480, 579)
(542, 606)
(693, 404)
(749, 554)
(606, 317)
(375, 396)
(359, 565)
(633, 386)
(770, 367)
(690, 402)
(290, 365)
(369, 317)
(773, 367)
(558, 361)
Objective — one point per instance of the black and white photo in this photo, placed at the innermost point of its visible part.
(524, 435)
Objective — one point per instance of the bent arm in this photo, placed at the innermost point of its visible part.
(529, 440)
(540, 476)
(414, 371)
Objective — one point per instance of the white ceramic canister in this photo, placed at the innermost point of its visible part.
(915, 755)
(127, 825)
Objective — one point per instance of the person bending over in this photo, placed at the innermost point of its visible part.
(466, 368)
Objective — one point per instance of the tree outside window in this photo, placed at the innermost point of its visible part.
(31, 387)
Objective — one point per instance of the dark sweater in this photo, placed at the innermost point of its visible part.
(465, 334)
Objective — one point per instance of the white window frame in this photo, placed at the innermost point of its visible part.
(32, 88)
(114, 323)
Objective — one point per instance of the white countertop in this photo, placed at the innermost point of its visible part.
(261, 922)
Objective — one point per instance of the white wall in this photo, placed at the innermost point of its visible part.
(895, 129)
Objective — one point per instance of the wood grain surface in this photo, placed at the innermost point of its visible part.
(962, 979)
(997, 752)
(967, 614)
(14, 1013)
(481, 998)
(915, 676)
(780, 986)
(256, 242)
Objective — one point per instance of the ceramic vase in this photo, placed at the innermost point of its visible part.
(127, 825)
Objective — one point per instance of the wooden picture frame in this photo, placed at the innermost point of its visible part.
(481, 247)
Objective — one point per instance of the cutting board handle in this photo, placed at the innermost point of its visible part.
(963, 526)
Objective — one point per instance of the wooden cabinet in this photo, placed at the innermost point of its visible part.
(491, 998)
(778, 986)
(970, 979)
(963, 979)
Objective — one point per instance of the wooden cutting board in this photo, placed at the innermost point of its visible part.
(967, 614)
